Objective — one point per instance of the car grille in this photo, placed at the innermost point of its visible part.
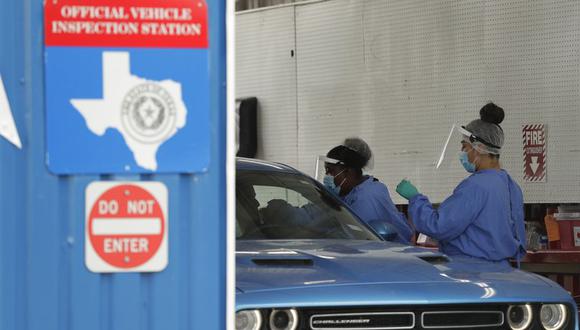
(461, 319)
(467, 316)
(406, 320)
(397, 320)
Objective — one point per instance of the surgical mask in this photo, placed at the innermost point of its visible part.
(467, 165)
(329, 183)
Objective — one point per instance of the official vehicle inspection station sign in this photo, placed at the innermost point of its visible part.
(126, 227)
(534, 138)
(127, 86)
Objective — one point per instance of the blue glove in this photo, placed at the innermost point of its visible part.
(406, 189)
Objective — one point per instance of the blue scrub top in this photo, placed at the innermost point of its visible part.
(370, 200)
(483, 218)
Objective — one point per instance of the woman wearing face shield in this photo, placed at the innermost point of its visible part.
(364, 194)
(483, 218)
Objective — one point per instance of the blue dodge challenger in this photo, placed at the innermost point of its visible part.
(304, 261)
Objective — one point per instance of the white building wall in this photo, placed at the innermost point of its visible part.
(266, 68)
(400, 73)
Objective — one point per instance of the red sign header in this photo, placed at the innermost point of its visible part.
(126, 23)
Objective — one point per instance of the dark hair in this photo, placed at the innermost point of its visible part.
(491, 113)
(347, 157)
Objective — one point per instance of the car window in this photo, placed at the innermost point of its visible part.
(264, 194)
(272, 205)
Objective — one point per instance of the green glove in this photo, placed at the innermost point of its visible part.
(406, 189)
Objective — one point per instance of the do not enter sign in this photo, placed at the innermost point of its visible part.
(126, 227)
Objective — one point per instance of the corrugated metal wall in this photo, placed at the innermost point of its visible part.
(44, 284)
(400, 73)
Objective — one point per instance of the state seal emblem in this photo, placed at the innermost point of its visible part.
(148, 113)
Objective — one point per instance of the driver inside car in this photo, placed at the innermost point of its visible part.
(280, 211)
(247, 210)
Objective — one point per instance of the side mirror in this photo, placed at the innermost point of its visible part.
(386, 231)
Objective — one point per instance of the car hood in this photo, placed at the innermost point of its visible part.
(291, 264)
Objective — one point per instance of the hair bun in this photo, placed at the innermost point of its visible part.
(491, 113)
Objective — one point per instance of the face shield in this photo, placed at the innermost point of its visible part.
(459, 134)
(479, 144)
(354, 152)
(321, 163)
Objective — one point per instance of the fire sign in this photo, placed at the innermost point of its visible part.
(534, 138)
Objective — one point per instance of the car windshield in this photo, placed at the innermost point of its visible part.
(273, 205)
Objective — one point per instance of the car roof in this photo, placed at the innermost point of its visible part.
(248, 164)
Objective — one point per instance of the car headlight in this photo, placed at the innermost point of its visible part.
(519, 316)
(248, 320)
(284, 319)
(553, 316)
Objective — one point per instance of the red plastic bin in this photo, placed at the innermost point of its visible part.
(569, 225)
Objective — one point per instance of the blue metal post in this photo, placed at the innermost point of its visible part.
(44, 284)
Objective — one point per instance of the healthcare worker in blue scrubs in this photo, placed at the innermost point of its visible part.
(365, 195)
(484, 217)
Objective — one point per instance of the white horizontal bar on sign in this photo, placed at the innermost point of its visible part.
(126, 226)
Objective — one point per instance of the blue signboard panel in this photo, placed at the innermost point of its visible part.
(130, 97)
(77, 75)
